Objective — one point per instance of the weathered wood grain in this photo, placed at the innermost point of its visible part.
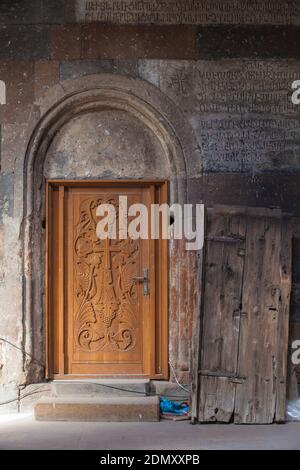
(283, 319)
(246, 289)
(256, 397)
(221, 315)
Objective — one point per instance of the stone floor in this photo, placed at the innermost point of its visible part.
(22, 432)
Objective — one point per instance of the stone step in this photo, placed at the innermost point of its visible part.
(101, 388)
(127, 409)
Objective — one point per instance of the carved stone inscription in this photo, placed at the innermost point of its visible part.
(242, 112)
(189, 11)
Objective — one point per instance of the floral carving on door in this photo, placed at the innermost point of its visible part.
(105, 292)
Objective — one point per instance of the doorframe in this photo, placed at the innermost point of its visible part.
(160, 342)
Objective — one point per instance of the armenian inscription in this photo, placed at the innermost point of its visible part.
(242, 112)
(188, 11)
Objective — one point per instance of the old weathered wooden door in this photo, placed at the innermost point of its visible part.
(242, 368)
(104, 314)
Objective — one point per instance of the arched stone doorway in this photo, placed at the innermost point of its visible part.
(99, 127)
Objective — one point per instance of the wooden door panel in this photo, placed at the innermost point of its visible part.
(106, 311)
(255, 399)
(101, 322)
(245, 316)
(264, 325)
(221, 315)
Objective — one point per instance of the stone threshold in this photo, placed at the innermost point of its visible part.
(98, 388)
(106, 409)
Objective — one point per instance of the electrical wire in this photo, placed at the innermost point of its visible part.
(176, 379)
(94, 383)
(21, 397)
(23, 351)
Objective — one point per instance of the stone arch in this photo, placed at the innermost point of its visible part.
(62, 104)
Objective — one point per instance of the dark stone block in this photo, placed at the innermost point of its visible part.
(276, 12)
(69, 13)
(46, 74)
(24, 42)
(296, 261)
(80, 68)
(20, 12)
(97, 41)
(66, 42)
(295, 299)
(133, 42)
(54, 12)
(267, 190)
(215, 42)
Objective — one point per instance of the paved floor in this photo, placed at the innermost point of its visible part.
(22, 432)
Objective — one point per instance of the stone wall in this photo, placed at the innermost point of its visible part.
(227, 66)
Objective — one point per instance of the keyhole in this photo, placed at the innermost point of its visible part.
(172, 220)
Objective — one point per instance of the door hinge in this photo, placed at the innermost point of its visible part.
(222, 239)
(223, 375)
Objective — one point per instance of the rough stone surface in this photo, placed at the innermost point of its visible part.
(98, 409)
(94, 42)
(78, 68)
(170, 390)
(46, 74)
(109, 144)
(32, 12)
(24, 42)
(231, 42)
(6, 195)
(265, 190)
(87, 389)
(19, 79)
(30, 394)
(101, 388)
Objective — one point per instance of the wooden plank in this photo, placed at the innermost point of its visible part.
(216, 399)
(48, 287)
(161, 196)
(196, 335)
(149, 301)
(61, 279)
(256, 397)
(293, 370)
(283, 319)
(53, 283)
(221, 315)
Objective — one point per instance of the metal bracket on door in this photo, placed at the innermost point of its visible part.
(145, 280)
(223, 375)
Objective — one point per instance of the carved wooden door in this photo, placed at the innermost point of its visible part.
(102, 312)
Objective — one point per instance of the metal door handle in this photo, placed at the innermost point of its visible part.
(144, 279)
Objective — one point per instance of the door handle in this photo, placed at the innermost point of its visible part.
(144, 279)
